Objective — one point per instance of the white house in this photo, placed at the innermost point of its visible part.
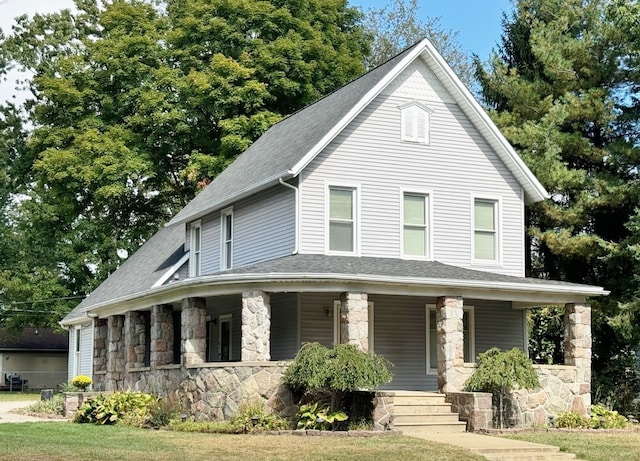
(389, 214)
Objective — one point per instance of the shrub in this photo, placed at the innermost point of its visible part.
(343, 368)
(570, 420)
(252, 416)
(81, 382)
(161, 412)
(316, 416)
(604, 418)
(501, 372)
(111, 408)
(54, 406)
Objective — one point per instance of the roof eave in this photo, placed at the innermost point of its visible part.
(252, 189)
(212, 285)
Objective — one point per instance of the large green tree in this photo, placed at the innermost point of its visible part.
(563, 91)
(131, 107)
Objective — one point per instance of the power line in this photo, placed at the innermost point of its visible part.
(50, 300)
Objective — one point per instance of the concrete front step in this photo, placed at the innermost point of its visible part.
(422, 409)
(435, 427)
(438, 417)
(418, 398)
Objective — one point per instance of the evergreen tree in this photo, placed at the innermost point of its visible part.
(562, 90)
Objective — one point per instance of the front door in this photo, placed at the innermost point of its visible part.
(224, 338)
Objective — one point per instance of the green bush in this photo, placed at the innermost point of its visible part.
(343, 368)
(207, 427)
(570, 420)
(134, 407)
(604, 418)
(316, 416)
(55, 406)
(242, 422)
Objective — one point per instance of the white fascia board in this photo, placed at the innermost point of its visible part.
(355, 110)
(535, 190)
(172, 270)
(539, 294)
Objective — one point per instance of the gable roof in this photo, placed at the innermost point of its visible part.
(34, 339)
(142, 271)
(289, 145)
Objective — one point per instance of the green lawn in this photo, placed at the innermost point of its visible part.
(6, 396)
(83, 442)
(590, 445)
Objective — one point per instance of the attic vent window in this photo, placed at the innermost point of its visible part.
(416, 121)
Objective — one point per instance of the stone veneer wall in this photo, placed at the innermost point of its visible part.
(558, 392)
(135, 339)
(476, 408)
(256, 326)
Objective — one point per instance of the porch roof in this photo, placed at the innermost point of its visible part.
(308, 272)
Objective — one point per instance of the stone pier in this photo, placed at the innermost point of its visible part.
(256, 326)
(194, 331)
(354, 320)
(450, 334)
(115, 355)
(162, 335)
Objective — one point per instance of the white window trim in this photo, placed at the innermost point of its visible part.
(193, 270)
(472, 335)
(356, 218)
(370, 320)
(428, 194)
(221, 319)
(415, 105)
(223, 247)
(336, 321)
(499, 231)
(77, 349)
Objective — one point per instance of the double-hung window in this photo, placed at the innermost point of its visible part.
(226, 253)
(342, 219)
(415, 226)
(485, 230)
(195, 250)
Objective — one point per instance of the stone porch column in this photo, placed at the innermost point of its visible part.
(450, 342)
(100, 345)
(577, 351)
(194, 331)
(354, 320)
(135, 339)
(161, 335)
(115, 353)
(256, 326)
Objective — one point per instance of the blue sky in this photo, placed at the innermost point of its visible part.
(477, 22)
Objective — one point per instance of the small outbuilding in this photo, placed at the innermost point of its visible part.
(38, 356)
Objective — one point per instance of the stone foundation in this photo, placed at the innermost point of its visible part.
(383, 411)
(73, 400)
(475, 408)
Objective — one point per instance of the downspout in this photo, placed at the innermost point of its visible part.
(297, 220)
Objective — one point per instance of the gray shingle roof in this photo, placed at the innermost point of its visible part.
(34, 339)
(279, 149)
(386, 267)
(138, 273)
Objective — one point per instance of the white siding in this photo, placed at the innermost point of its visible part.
(400, 336)
(457, 165)
(264, 229)
(498, 325)
(85, 362)
(284, 326)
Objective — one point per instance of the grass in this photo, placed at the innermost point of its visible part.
(590, 445)
(66, 441)
(19, 396)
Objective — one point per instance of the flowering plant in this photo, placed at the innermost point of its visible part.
(82, 382)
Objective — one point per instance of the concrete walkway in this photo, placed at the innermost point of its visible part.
(498, 448)
(6, 416)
